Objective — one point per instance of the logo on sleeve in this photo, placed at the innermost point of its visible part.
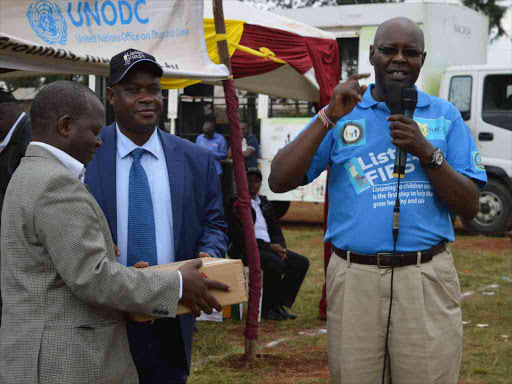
(353, 132)
(477, 159)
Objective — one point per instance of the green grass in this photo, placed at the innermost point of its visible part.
(487, 356)
(302, 359)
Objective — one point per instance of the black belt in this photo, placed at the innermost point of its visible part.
(384, 259)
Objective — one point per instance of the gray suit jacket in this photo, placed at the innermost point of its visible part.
(64, 295)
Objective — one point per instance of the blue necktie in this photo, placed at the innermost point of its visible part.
(141, 221)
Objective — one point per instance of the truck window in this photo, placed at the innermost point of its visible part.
(460, 94)
(497, 101)
(278, 107)
(349, 56)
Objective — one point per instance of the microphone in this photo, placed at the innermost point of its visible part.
(409, 101)
(403, 102)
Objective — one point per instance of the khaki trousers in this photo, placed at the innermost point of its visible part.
(425, 336)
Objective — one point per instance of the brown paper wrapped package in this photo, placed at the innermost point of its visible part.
(227, 271)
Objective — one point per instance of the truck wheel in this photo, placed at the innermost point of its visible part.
(495, 214)
(280, 208)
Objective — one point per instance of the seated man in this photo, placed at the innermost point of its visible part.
(283, 269)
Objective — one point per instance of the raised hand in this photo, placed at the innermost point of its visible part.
(195, 289)
(345, 97)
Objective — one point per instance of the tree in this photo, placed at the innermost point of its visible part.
(491, 8)
(38, 82)
(494, 11)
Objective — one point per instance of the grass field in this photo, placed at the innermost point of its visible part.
(295, 351)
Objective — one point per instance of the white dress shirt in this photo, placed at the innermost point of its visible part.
(153, 162)
(7, 138)
(155, 166)
(76, 168)
(260, 226)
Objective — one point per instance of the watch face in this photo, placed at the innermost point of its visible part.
(438, 158)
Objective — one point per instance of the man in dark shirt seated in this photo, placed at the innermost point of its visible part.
(283, 269)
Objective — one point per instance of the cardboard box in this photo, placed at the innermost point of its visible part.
(227, 271)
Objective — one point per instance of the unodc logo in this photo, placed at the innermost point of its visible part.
(47, 21)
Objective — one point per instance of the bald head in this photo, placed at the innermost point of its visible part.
(68, 116)
(58, 99)
(399, 25)
(397, 55)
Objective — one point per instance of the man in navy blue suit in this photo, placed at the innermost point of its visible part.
(162, 199)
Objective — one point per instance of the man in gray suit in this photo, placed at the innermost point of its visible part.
(15, 134)
(64, 294)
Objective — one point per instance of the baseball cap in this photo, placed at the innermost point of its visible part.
(121, 63)
(6, 96)
(255, 171)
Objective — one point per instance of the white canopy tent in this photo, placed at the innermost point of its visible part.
(285, 81)
(32, 40)
(73, 37)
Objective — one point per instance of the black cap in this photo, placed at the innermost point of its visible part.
(254, 171)
(121, 63)
(6, 96)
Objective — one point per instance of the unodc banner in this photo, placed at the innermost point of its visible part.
(80, 36)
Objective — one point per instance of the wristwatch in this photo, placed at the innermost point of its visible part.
(437, 160)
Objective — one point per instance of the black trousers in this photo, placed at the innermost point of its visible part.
(281, 278)
(157, 351)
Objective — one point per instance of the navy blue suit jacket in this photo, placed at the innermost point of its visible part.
(197, 214)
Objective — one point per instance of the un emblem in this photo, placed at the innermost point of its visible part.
(47, 21)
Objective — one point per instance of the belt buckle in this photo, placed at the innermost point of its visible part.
(379, 256)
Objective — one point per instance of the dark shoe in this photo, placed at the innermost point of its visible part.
(283, 312)
(272, 315)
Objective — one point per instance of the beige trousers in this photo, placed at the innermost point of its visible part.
(425, 336)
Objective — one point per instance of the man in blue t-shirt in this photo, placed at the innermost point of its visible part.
(216, 143)
(356, 135)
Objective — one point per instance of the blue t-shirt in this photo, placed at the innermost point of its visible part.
(362, 189)
(217, 144)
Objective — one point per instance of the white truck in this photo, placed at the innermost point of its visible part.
(456, 40)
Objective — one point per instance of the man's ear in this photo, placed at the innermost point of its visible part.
(64, 125)
(110, 95)
(372, 52)
(423, 58)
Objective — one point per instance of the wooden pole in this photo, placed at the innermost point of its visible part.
(243, 201)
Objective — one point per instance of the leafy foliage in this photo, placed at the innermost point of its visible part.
(38, 82)
(493, 10)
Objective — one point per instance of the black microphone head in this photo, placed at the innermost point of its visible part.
(394, 98)
(409, 98)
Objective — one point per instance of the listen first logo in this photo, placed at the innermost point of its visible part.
(48, 22)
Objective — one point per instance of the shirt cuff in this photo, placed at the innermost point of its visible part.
(181, 286)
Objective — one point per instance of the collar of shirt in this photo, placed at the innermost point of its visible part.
(76, 168)
(257, 200)
(7, 138)
(369, 101)
(125, 146)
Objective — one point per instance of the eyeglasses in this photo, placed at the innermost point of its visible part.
(407, 52)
